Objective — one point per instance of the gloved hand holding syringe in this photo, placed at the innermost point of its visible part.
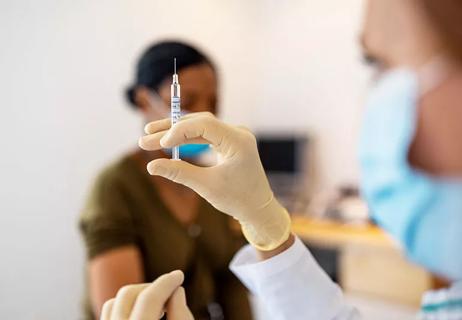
(175, 107)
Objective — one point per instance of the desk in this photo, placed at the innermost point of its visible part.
(370, 261)
(334, 234)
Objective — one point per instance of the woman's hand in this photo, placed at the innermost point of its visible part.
(150, 300)
(237, 185)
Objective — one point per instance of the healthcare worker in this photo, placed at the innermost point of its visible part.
(411, 160)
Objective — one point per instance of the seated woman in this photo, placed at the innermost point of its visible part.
(137, 227)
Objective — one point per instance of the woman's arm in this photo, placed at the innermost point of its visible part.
(110, 271)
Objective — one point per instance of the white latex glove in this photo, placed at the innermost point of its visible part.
(150, 300)
(237, 185)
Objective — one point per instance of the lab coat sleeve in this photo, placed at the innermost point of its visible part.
(292, 285)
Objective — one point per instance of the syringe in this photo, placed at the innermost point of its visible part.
(175, 107)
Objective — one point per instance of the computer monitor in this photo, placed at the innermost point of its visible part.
(284, 158)
(282, 154)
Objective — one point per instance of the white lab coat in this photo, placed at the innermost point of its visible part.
(292, 286)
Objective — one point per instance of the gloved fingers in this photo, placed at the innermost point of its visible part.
(156, 126)
(107, 309)
(244, 128)
(178, 171)
(200, 126)
(151, 142)
(164, 124)
(151, 302)
(177, 309)
(198, 141)
(125, 299)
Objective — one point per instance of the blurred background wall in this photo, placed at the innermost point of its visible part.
(284, 65)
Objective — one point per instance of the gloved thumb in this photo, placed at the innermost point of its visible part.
(178, 171)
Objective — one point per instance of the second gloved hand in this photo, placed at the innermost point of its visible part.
(150, 300)
(237, 185)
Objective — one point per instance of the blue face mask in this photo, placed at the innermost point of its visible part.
(191, 151)
(423, 212)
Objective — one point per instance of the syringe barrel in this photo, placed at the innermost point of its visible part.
(175, 111)
(175, 103)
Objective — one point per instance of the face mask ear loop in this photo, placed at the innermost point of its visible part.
(429, 76)
(433, 73)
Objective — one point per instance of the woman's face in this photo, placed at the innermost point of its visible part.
(397, 33)
(198, 93)
(198, 89)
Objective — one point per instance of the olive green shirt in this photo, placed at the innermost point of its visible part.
(124, 208)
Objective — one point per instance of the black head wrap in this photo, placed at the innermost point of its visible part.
(156, 64)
